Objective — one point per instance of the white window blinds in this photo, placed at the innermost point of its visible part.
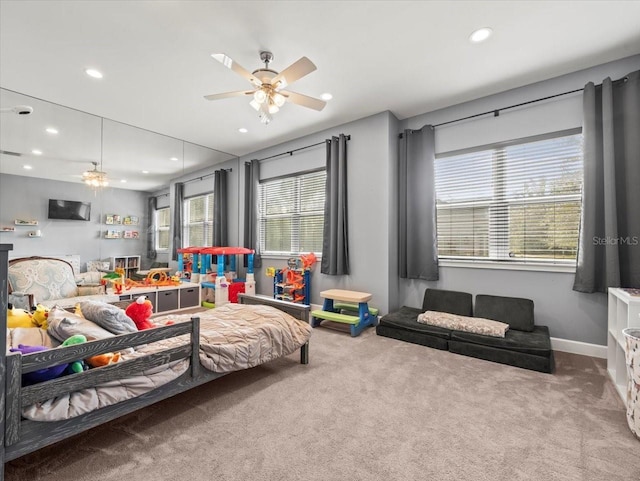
(198, 221)
(517, 201)
(163, 221)
(291, 214)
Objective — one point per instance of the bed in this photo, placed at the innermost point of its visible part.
(196, 349)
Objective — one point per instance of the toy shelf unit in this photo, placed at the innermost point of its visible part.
(624, 311)
(293, 285)
(186, 295)
(195, 264)
(129, 264)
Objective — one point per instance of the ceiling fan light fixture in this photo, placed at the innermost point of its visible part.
(255, 105)
(278, 99)
(260, 96)
(95, 178)
(273, 108)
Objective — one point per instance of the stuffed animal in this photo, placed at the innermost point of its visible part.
(103, 359)
(19, 318)
(41, 374)
(140, 311)
(40, 316)
(75, 366)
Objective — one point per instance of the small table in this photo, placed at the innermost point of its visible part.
(355, 301)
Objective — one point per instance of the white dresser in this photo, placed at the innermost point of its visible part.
(624, 311)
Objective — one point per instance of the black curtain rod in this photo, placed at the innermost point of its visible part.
(205, 176)
(291, 152)
(496, 112)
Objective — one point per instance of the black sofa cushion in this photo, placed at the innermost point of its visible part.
(515, 311)
(454, 302)
(536, 342)
(406, 318)
(503, 356)
(414, 337)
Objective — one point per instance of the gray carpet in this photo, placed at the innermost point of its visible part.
(366, 408)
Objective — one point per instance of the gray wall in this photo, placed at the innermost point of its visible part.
(372, 198)
(368, 173)
(28, 197)
(569, 314)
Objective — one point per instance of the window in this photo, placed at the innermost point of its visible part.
(163, 221)
(198, 221)
(517, 201)
(291, 214)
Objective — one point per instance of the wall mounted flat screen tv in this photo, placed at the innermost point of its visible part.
(69, 210)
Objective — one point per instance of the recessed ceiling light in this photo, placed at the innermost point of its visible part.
(145, 171)
(326, 96)
(175, 159)
(123, 181)
(242, 130)
(51, 130)
(92, 72)
(480, 35)
(36, 152)
(27, 167)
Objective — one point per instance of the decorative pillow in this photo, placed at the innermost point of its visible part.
(96, 266)
(91, 290)
(87, 278)
(31, 336)
(64, 324)
(477, 325)
(112, 318)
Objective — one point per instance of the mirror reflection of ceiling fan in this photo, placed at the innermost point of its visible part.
(269, 92)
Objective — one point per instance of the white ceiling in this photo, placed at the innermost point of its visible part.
(408, 57)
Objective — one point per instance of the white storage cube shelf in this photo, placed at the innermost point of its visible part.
(624, 311)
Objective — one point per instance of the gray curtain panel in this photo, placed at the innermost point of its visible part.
(417, 235)
(176, 225)
(220, 232)
(609, 248)
(152, 206)
(335, 236)
(251, 180)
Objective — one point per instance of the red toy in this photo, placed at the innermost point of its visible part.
(140, 311)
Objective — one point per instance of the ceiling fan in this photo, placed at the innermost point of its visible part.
(268, 94)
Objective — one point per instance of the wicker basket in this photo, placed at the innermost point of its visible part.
(632, 356)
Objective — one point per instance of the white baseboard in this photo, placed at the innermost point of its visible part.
(577, 347)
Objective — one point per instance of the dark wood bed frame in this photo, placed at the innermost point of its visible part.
(20, 436)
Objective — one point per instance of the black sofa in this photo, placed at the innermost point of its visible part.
(525, 345)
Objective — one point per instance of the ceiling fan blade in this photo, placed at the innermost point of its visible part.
(304, 100)
(293, 72)
(226, 95)
(233, 65)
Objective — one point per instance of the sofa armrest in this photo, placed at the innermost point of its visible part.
(22, 300)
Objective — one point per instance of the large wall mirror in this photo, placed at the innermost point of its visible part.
(44, 150)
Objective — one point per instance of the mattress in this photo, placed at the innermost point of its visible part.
(232, 337)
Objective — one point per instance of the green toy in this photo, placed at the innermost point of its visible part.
(76, 366)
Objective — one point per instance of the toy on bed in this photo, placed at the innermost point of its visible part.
(40, 375)
(103, 359)
(75, 366)
(140, 312)
(40, 316)
(19, 317)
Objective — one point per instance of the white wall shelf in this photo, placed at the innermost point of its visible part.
(624, 311)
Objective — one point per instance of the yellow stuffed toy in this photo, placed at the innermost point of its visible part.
(19, 318)
(40, 316)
